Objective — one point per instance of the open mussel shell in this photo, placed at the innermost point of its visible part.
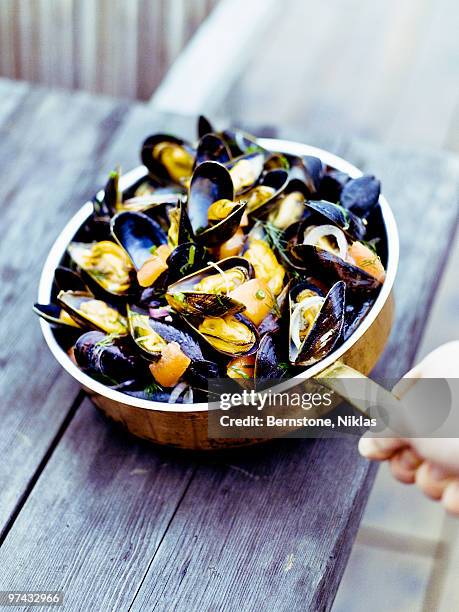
(267, 361)
(149, 342)
(361, 194)
(241, 143)
(344, 219)
(69, 280)
(306, 173)
(204, 126)
(205, 291)
(55, 316)
(260, 203)
(332, 185)
(185, 259)
(210, 183)
(232, 335)
(91, 313)
(152, 201)
(325, 330)
(332, 268)
(138, 235)
(114, 359)
(212, 148)
(288, 209)
(107, 201)
(104, 266)
(245, 171)
(168, 158)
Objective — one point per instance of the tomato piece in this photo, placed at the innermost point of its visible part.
(241, 367)
(256, 297)
(367, 260)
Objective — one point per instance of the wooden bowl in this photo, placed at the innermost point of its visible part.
(185, 426)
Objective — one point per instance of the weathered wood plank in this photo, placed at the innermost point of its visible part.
(43, 181)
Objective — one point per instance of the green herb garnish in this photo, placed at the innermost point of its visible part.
(260, 294)
(346, 215)
(109, 339)
(180, 297)
(153, 249)
(240, 372)
(152, 389)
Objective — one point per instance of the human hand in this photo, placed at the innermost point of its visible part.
(431, 463)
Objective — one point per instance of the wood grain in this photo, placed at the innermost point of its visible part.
(115, 522)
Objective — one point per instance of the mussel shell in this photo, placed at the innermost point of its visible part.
(199, 373)
(204, 126)
(325, 331)
(320, 262)
(153, 201)
(139, 319)
(195, 302)
(138, 235)
(267, 360)
(212, 148)
(361, 194)
(107, 201)
(240, 142)
(256, 161)
(71, 301)
(356, 311)
(174, 332)
(277, 180)
(69, 280)
(306, 173)
(332, 185)
(51, 314)
(232, 350)
(211, 182)
(344, 219)
(155, 166)
(185, 259)
(118, 360)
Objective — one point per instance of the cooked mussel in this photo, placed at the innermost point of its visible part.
(232, 334)
(288, 209)
(327, 212)
(315, 324)
(360, 195)
(168, 158)
(261, 244)
(146, 338)
(206, 292)
(331, 267)
(306, 173)
(211, 188)
(212, 148)
(104, 263)
(245, 171)
(91, 313)
(332, 185)
(261, 198)
(68, 280)
(110, 358)
(55, 316)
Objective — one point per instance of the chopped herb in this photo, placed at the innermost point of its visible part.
(260, 294)
(191, 255)
(371, 244)
(241, 373)
(284, 365)
(284, 162)
(345, 214)
(275, 237)
(366, 263)
(152, 389)
(253, 148)
(180, 297)
(153, 249)
(109, 339)
(114, 174)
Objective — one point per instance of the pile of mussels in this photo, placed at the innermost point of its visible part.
(226, 260)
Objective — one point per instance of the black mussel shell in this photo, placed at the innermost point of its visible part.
(323, 263)
(51, 314)
(184, 298)
(71, 302)
(155, 165)
(69, 280)
(361, 194)
(306, 171)
(117, 360)
(255, 161)
(344, 219)
(204, 126)
(185, 259)
(356, 311)
(325, 331)
(332, 185)
(212, 182)
(240, 142)
(138, 235)
(199, 373)
(269, 325)
(174, 332)
(212, 148)
(277, 180)
(267, 360)
(107, 201)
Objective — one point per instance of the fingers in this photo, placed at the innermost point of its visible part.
(432, 480)
(379, 449)
(450, 499)
(404, 464)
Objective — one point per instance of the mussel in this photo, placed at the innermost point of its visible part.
(211, 189)
(360, 195)
(69, 280)
(315, 323)
(104, 263)
(56, 316)
(150, 343)
(168, 158)
(245, 171)
(306, 174)
(206, 292)
(91, 313)
(232, 334)
(212, 148)
(327, 212)
(261, 198)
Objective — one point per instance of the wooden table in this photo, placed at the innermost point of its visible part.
(118, 524)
